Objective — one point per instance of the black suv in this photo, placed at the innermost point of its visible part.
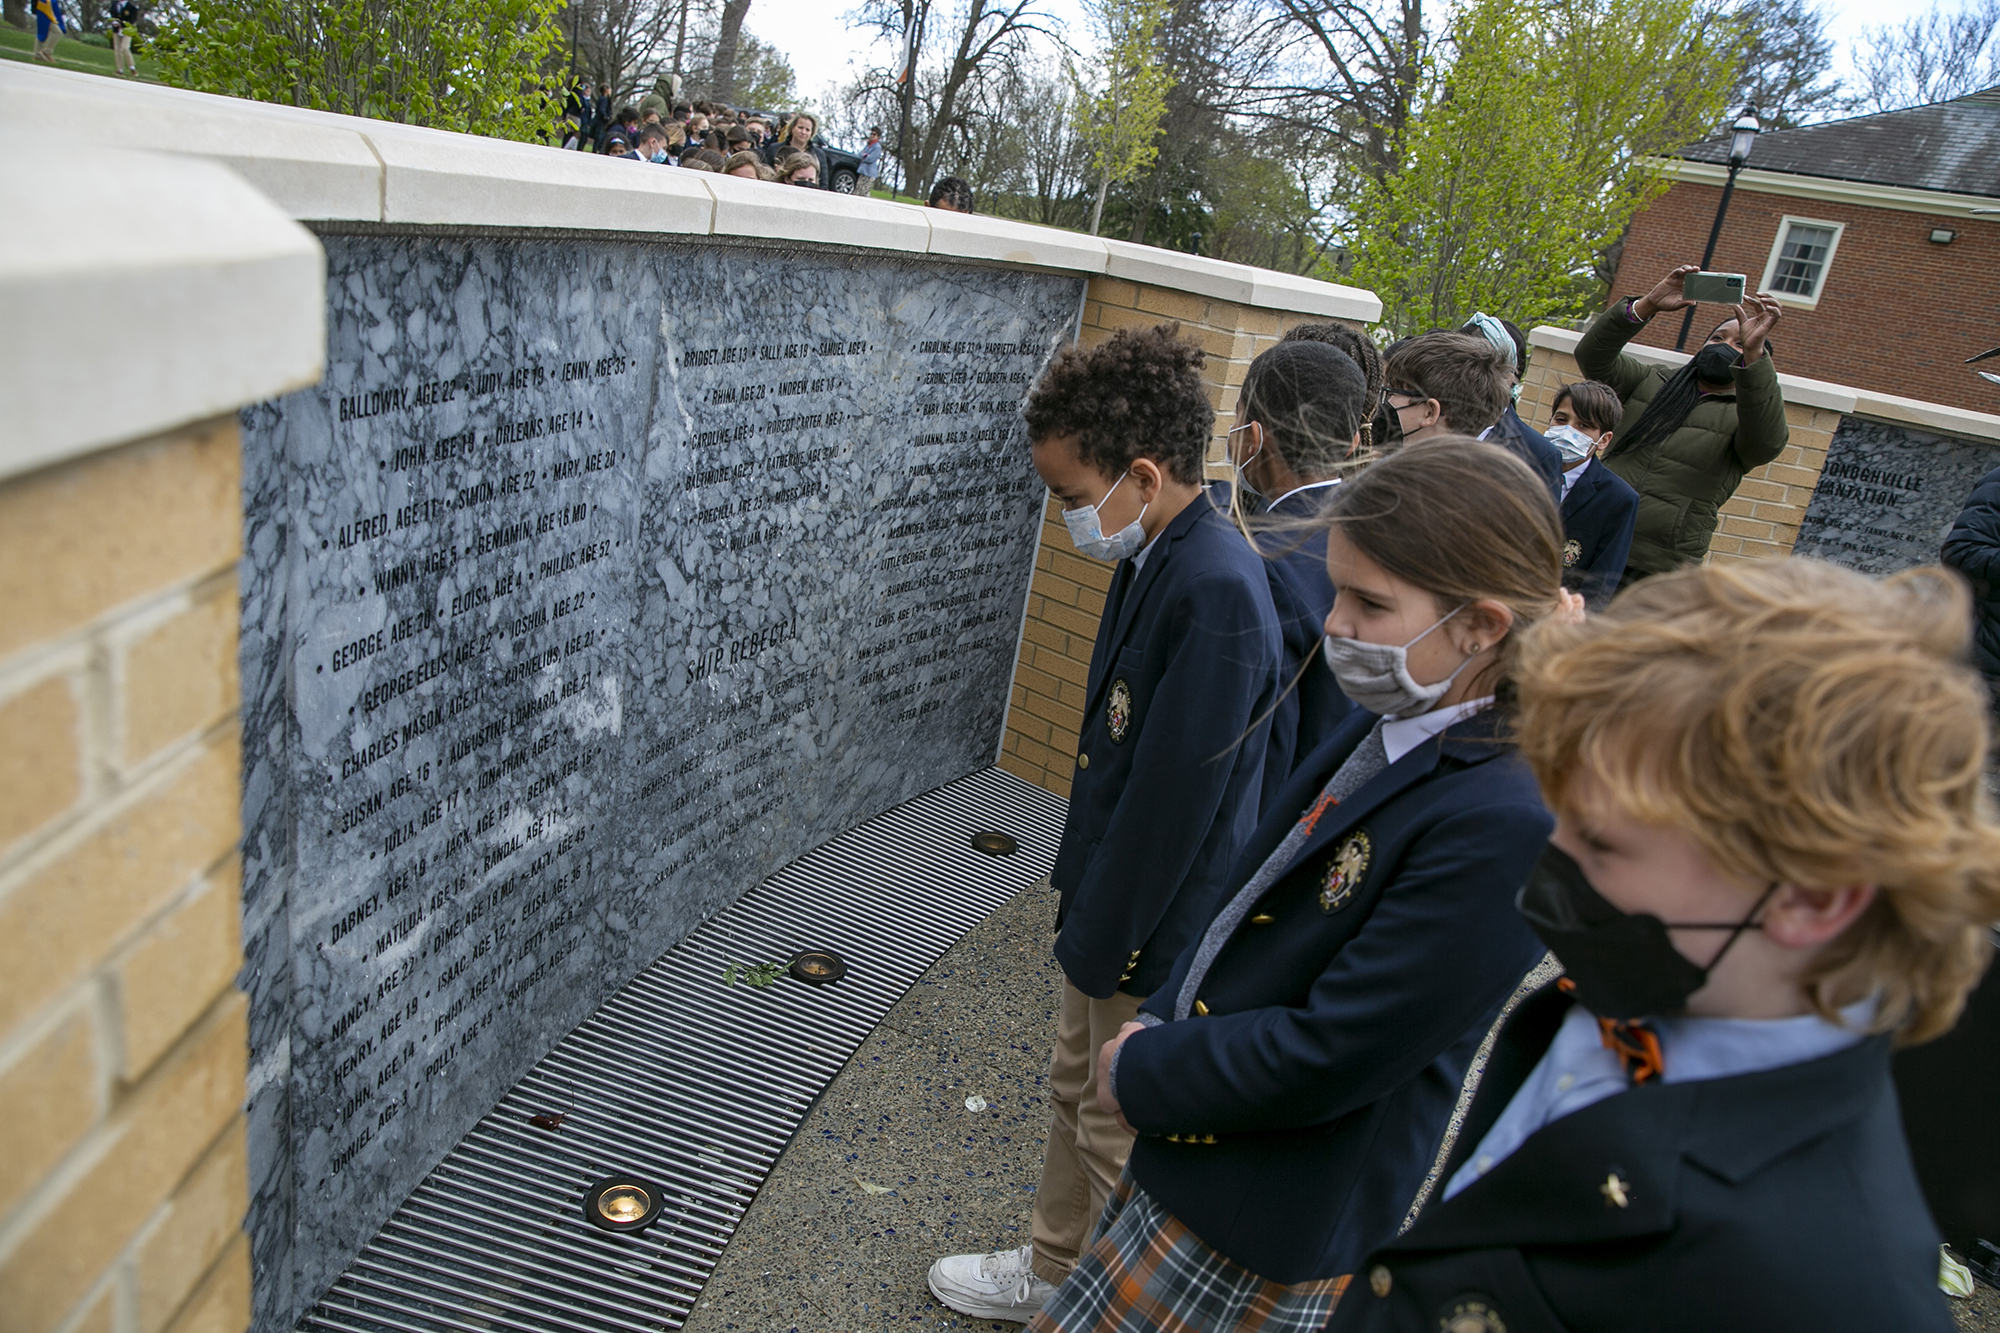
(839, 168)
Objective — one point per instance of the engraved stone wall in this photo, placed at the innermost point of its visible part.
(597, 581)
(1888, 494)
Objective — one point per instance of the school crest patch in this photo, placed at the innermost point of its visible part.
(1118, 712)
(1344, 872)
(1471, 1314)
(1572, 552)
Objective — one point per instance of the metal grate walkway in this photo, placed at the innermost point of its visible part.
(689, 1083)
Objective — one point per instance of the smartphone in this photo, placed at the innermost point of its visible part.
(1714, 288)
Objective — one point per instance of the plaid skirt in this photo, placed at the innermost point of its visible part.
(1147, 1273)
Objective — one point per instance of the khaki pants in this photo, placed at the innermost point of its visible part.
(1087, 1149)
(121, 51)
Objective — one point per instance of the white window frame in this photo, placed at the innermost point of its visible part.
(1825, 269)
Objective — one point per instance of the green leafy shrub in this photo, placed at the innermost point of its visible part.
(469, 65)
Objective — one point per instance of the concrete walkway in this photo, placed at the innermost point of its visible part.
(891, 1170)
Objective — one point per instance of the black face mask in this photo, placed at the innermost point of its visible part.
(1622, 965)
(1714, 361)
(1388, 427)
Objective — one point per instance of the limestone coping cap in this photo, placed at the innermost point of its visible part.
(1799, 390)
(323, 167)
(143, 292)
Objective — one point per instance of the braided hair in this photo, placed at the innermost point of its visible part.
(1668, 411)
(1361, 350)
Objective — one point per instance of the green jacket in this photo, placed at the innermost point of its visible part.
(1685, 479)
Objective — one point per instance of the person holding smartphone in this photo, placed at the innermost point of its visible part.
(1687, 436)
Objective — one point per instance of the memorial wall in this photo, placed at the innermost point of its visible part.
(1888, 494)
(598, 580)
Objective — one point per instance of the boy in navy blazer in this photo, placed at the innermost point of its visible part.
(1695, 1127)
(1599, 510)
(1169, 764)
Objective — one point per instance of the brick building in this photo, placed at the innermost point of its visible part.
(1866, 230)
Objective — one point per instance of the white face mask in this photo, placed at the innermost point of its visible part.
(1570, 442)
(1086, 530)
(1377, 675)
(1242, 481)
(1240, 485)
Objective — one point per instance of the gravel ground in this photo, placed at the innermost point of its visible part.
(1980, 1314)
(890, 1170)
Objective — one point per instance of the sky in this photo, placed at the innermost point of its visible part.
(823, 51)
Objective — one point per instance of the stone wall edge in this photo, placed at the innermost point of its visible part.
(116, 333)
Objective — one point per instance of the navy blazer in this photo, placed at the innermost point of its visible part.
(1532, 447)
(1290, 1125)
(1782, 1199)
(1599, 515)
(1308, 711)
(1171, 758)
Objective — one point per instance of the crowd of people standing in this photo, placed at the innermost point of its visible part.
(712, 136)
(1475, 912)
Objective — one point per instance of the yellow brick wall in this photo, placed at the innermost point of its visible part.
(1066, 597)
(1762, 519)
(122, 1039)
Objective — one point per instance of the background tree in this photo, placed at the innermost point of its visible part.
(764, 78)
(470, 65)
(1530, 150)
(1195, 49)
(1342, 75)
(1932, 57)
(1787, 64)
(728, 36)
(960, 53)
(1123, 111)
(1263, 203)
(619, 43)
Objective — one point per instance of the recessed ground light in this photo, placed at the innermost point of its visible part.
(621, 1203)
(994, 843)
(816, 967)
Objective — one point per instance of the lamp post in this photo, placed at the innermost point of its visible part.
(1741, 135)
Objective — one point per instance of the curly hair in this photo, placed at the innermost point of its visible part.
(952, 191)
(1803, 724)
(1138, 394)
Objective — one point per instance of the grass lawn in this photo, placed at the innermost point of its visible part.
(16, 44)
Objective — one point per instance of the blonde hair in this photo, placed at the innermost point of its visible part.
(1804, 724)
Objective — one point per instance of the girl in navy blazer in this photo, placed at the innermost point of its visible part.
(1291, 1081)
(1773, 860)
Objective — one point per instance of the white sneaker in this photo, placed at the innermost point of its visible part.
(1000, 1285)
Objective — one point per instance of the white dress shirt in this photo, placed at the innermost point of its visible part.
(1570, 477)
(1402, 735)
